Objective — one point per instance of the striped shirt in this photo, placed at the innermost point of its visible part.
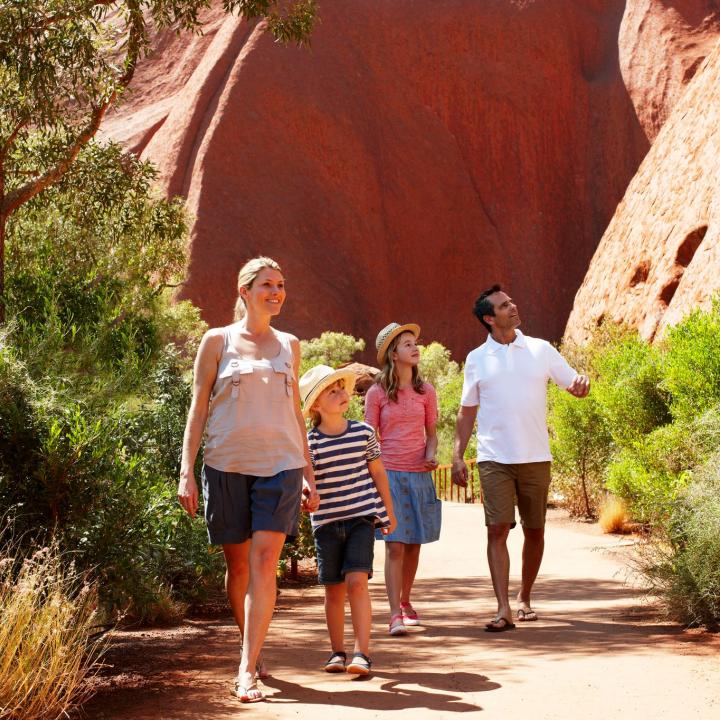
(342, 477)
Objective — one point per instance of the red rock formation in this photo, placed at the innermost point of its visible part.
(660, 256)
(417, 153)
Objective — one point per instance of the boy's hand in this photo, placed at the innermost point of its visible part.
(431, 463)
(391, 527)
(310, 499)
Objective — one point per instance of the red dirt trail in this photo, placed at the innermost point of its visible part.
(597, 652)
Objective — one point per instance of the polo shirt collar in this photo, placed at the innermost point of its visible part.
(493, 345)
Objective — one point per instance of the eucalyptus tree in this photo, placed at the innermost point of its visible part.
(64, 63)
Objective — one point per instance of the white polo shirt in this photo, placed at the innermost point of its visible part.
(508, 383)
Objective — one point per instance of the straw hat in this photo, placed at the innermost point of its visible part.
(388, 334)
(316, 379)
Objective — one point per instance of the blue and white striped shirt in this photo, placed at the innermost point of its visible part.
(342, 477)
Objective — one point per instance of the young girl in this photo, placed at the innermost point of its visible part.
(245, 395)
(403, 410)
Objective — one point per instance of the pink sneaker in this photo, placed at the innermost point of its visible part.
(410, 617)
(397, 626)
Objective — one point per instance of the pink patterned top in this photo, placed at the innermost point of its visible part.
(402, 424)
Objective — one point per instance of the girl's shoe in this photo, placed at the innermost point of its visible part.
(360, 664)
(397, 626)
(336, 663)
(410, 617)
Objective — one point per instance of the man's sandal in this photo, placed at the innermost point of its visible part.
(410, 617)
(499, 624)
(360, 664)
(336, 663)
(528, 615)
(249, 694)
(397, 625)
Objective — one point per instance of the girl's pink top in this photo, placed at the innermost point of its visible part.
(401, 425)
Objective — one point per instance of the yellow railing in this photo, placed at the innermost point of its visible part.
(454, 493)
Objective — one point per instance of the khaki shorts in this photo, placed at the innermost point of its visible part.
(502, 484)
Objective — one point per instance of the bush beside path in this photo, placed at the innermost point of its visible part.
(598, 650)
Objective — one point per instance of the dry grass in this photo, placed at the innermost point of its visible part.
(613, 516)
(48, 639)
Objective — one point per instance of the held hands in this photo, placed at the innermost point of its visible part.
(459, 472)
(580, 386)
(310, 499)
(188, 493)
(391, 527)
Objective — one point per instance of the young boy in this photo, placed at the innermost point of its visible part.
(354, 499)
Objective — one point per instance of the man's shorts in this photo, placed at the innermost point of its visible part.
(345, 546)
(502, 484)
(238, 505)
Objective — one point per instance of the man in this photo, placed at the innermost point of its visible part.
(505, 387)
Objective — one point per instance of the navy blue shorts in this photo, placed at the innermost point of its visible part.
(345, 546)
(238, 505)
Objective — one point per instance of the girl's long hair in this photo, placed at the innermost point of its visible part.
(388, 379)
(246, 277)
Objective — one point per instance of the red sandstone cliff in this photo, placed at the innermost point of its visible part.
(660, 256)
(418, 152)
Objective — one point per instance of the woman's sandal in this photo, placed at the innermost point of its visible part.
(249, 694)
(336, 663)
(397, 625)
(410, 617)
(360, 664)
(261, 670)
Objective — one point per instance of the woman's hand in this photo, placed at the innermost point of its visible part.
(188, 493)
(310, 498)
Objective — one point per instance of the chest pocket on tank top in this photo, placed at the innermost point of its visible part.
(238, 374)
(281, 380)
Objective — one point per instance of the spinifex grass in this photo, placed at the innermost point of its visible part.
(48, 642)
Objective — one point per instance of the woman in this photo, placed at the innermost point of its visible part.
(245, 391)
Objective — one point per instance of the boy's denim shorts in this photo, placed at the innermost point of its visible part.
(345, 546)
(238, 505)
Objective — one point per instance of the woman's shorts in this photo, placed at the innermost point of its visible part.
(417, 508)
(238, 505)
(345, 546)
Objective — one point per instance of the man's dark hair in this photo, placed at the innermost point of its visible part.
(483, 306)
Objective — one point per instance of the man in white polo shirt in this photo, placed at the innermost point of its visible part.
(505, 389)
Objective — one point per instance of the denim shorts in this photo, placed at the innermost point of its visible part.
(238, 505)
(345, 546)
(417, 508)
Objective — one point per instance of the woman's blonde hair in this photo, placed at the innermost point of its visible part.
(246, 277)
(388, 379)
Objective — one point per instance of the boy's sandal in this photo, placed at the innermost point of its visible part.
(336, 663)
(397, 625)
(249, 694)
(410, 617)
(360, 664)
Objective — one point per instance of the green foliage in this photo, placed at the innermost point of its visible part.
(581, 444)
(692, 363)
(331, 348)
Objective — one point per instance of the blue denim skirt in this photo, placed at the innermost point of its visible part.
(417, 508)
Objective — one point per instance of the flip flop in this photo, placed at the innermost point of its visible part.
(496, 627)
(526, 615)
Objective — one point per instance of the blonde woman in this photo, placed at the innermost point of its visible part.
(245, 396)
(403, 410)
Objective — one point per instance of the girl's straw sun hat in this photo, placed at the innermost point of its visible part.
(316, 379)
(388, 334)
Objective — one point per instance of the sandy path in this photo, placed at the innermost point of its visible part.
(596, 652)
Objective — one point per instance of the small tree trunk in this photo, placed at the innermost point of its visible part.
(3, 221)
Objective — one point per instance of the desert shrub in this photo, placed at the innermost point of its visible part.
(612, 514)
(691, 362)
(581, 444)
(49, 639)
(682, 563)
(331, 348)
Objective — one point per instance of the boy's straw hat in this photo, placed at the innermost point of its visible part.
(316, 379)
(388, 333)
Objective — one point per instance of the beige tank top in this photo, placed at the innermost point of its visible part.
(252, 427)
